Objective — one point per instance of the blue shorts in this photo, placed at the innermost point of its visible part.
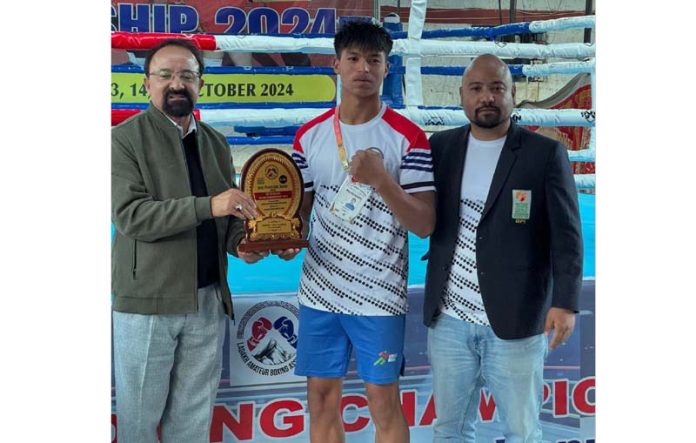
(326, 340)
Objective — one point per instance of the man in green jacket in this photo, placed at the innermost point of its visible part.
(177, 213)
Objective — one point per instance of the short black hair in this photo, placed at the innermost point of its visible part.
(362, 35)
(182, 43)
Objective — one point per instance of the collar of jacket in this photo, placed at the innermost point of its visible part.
(505, 162)
(512, 142)
(162, 121)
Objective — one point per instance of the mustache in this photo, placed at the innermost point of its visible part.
(183, 92)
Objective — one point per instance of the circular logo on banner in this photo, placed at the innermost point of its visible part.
(267, 337)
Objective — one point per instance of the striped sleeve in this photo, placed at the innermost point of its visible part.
(299, 148)
(416, 170)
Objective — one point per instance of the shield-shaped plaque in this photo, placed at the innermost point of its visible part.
(275, 183)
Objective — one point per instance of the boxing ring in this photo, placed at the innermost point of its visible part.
(263, 401)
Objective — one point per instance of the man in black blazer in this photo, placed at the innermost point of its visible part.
(505, 260)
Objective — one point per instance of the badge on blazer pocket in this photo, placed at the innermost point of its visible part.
(521, 205)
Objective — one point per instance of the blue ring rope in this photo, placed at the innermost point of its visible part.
(288, 70)
(475, 31)
(311, 70)
(277, 140)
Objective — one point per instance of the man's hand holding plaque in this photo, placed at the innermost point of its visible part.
(233, 202)
(274, 183)
(236, 203)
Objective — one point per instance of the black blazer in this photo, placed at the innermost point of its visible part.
(523, 268)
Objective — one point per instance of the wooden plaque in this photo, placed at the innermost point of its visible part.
(274, 181)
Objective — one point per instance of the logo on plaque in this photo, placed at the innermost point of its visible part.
(274, 181)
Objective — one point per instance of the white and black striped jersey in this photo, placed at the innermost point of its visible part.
(359, 268)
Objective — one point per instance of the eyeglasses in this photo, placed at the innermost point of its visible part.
(185, 76)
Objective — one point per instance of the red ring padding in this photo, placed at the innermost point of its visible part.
(119, 115)
(146, 40)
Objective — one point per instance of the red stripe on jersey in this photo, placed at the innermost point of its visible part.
(296, 146)
(414, 134)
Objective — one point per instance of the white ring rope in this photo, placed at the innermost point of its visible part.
(585, 181)
(270, 44)
(279, 117)
(561, 24)
(407, 47)
(513, 50)
(542, 70)
(582, 155)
